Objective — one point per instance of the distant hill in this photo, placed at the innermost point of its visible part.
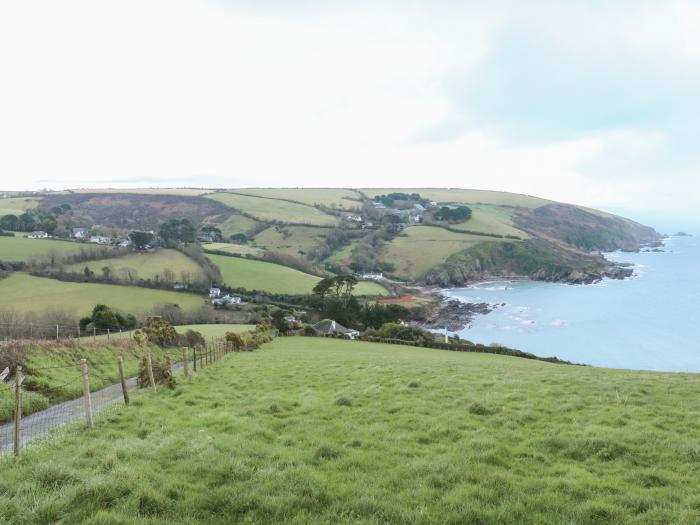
(354, 230)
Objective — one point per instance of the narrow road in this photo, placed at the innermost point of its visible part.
(39, 423)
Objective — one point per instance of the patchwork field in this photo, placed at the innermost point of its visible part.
(419, 248)
(20, 248)
(274, 278)
(293, 240)
(275, 210)
(329, 197)
(456, 195)
(145, 265)
(26, 293)
(17, 205)
(239, 249)
(328, 431)
(491, 219)
(236, 224)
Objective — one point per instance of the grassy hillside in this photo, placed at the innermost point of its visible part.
(240, 249)
(26, 293)
(234, 224)
(497, 220)
(146, 265)
(275, 210)
(326, 431)
(329, 197)
(462, 196)
(293, 240)
(17, 205)
(250, 274)
(420, 248)
(20, 248)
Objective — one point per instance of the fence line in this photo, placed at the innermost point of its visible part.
(26, 427)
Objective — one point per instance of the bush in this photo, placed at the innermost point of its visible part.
(235, 340)
(192, 338)
(162, 373)
(160, 332)
(308, 330)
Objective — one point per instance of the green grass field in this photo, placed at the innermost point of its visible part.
(327, 431)
(26, 293)
(456, 195)
(207, 330)
(235, 224)
(20, 248)
(275, 210)
(491, 219)
(329, 197)
(240, 249)
(145, 265)
(274, 278)
(292, 240)
(17, 205)
(419, 248)
(342, 255)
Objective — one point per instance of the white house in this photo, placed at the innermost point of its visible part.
(214, 293)
(80, 233)
(227, 300)
(373, 276)
(100, 239)
(125, 243)
(38, 235)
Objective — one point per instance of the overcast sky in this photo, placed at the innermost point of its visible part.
(591, 102)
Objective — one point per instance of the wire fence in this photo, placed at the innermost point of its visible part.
(50, 331)
(27, 425)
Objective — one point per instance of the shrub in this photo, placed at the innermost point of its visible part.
(162, 373)
(235, 340)
(160, 332)
(192, 338)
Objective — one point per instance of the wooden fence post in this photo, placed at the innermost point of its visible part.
(184, 361)
(122, 377)
(18, 410)
(151, 379)
(86, 393)
(194, 358)
(169, 363)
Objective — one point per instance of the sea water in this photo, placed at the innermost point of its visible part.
(650, 321)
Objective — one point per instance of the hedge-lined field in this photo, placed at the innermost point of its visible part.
(27, 293)
(275, 210)
(238, 272)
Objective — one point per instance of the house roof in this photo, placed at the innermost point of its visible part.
(330, 327)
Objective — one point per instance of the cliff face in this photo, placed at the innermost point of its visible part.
(585, 229)
(562, 248)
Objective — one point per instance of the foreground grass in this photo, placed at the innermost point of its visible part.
(26, 293)
(314, 430)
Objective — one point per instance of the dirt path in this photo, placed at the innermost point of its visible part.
(39, 423)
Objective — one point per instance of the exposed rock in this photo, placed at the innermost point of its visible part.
(456, 315)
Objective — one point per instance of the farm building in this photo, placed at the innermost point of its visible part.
(38, 235)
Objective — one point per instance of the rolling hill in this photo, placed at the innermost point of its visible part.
(343, 230)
